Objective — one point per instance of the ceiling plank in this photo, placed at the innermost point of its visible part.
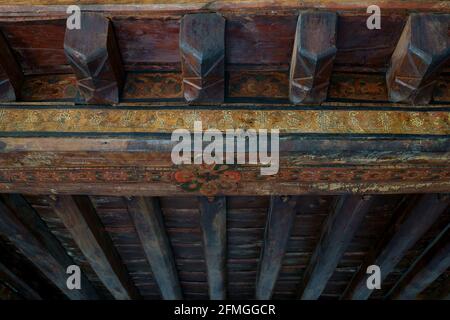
(81, 220)
(94, 56)
(214, 228)
(9, 277)
(312, 57)
(279, 223)
(202, 45)
(148, 220)
(422, 51)
(42, 249)
(397, 241)
(337, 233)
(428, 267)
(11, 76)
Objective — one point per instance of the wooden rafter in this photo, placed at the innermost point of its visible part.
(434, 261)
(36, 243)
(280, 220)
(214, 228)
(9, 277)
(337, 233)
(149, 224)
(84, 225)
(397, 241)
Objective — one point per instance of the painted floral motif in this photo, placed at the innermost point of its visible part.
(209, 180)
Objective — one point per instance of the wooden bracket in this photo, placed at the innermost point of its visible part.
(11, 77)
(95, 59)
(202, 45)
(312, 57)
(422, 50)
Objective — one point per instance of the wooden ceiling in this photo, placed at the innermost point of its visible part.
(86, 175)
(309, 247)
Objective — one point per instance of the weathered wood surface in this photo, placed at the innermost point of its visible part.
(37, 247)
(307, 164)
(95, 59)
(331, 119)
(202, 46)
(312, 57)
(433, 262)
(11, 77)
(337, 233)
(80, 219)
(268, 87)
(276, 235)
(149, 223)
(214, 228)
(421, 52)
(400, 238)
(185, 6)
(7, 276)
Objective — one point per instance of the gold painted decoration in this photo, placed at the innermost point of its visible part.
(79, 120)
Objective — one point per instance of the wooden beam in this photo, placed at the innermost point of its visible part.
(202, 45)
(397, 241)
(9, 277)
(312, 57)
(43, 250)
(95, 59)
(148, 220)
(214, 227)
(337, 233)
(11, 77)
(428, 267)
(421, 52)
(80, 219)
(279, 223)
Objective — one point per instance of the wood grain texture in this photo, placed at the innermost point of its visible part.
(214, 228)
(398, 240)
(202, 46)
(11, 77)
(421, 52)
(80, 219)
(312, 57)
(42, 250)
(95, 59)
(277, 231)
(185, 6)
(432, 263)
(148, 220)
(337, 233)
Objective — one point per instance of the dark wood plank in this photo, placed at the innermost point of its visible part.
(42, 249)
(202, 45)
(80, 219)
(213, 221)
(95, 59)
(7, 276)
(421, 53)
(312, 57)
(11, 77)
(337, 233)
(148, 220)
(433, 262)
(279, 223)
(397, 241)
